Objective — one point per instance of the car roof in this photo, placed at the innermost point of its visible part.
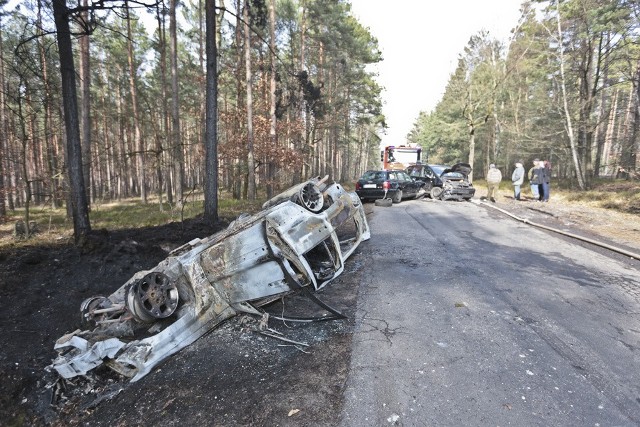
(380, 171)
(383, 170)
(422, 165)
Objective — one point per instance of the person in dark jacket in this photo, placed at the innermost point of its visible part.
(537, 177)
(546, 181)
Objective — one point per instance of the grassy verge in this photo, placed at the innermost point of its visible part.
(623, 196)
(617, 195)
(53, 224)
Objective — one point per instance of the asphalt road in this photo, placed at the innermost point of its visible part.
(467, 317)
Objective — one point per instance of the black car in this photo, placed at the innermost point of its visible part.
(381, 184)
(444, 182)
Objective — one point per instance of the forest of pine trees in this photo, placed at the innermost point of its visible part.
(566, 88)
(294, 98)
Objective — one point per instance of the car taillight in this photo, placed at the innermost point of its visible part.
(386, 185)
(358, 186)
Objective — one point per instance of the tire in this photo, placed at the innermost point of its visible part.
(397, 198)
(310, 197)
(384, 203)
(435, 192)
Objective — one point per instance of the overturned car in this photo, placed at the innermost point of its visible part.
(299, 241)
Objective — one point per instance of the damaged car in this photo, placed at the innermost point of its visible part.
(383, 184)
(300, 240)
(444, 182)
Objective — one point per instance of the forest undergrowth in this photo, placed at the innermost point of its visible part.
(53, 225)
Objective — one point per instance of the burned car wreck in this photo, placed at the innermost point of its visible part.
(299, 241)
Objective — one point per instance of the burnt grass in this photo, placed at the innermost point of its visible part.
(232, 376)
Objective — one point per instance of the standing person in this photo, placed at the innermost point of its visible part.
(517, 178)
(546, 181)
(537, 179)
(494, 176)
(532, 183)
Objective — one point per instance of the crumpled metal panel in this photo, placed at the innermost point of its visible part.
(294, 239)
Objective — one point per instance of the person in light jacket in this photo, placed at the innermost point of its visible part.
(533, 183)
(517, 178)
(494, 176)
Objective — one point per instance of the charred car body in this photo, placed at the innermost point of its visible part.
(444, 182)
(291, 244)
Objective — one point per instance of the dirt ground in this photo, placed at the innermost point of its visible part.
(232, 376)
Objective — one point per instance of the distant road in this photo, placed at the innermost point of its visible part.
(466, 317)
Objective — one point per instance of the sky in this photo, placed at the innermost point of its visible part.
(420, 42)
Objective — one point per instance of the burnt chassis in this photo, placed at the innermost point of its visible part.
(291, 244)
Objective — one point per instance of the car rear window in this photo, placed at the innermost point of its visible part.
(374, 175)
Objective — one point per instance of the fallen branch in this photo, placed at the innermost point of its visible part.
(284, 339)
(294, 346)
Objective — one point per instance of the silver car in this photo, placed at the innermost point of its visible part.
(293, 243)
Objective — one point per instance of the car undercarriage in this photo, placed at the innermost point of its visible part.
(299, 241)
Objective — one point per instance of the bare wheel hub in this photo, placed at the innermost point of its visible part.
(152, 297)
(311, 198)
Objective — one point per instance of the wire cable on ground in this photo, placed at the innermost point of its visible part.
(564, 233)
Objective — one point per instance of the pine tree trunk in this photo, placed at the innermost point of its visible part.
(51, 160)
(211, 129)
(85, 125)
(273, 137)
(137, 134)
(162, 36)
(24, 163)
(175, 112)
(608, 137)
(567, 114)
(164, 119)
(81, 225)
(251, 179)
(3, 133)
(630, 144)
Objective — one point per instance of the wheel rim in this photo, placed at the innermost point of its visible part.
(152, 297)
(311, 198)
